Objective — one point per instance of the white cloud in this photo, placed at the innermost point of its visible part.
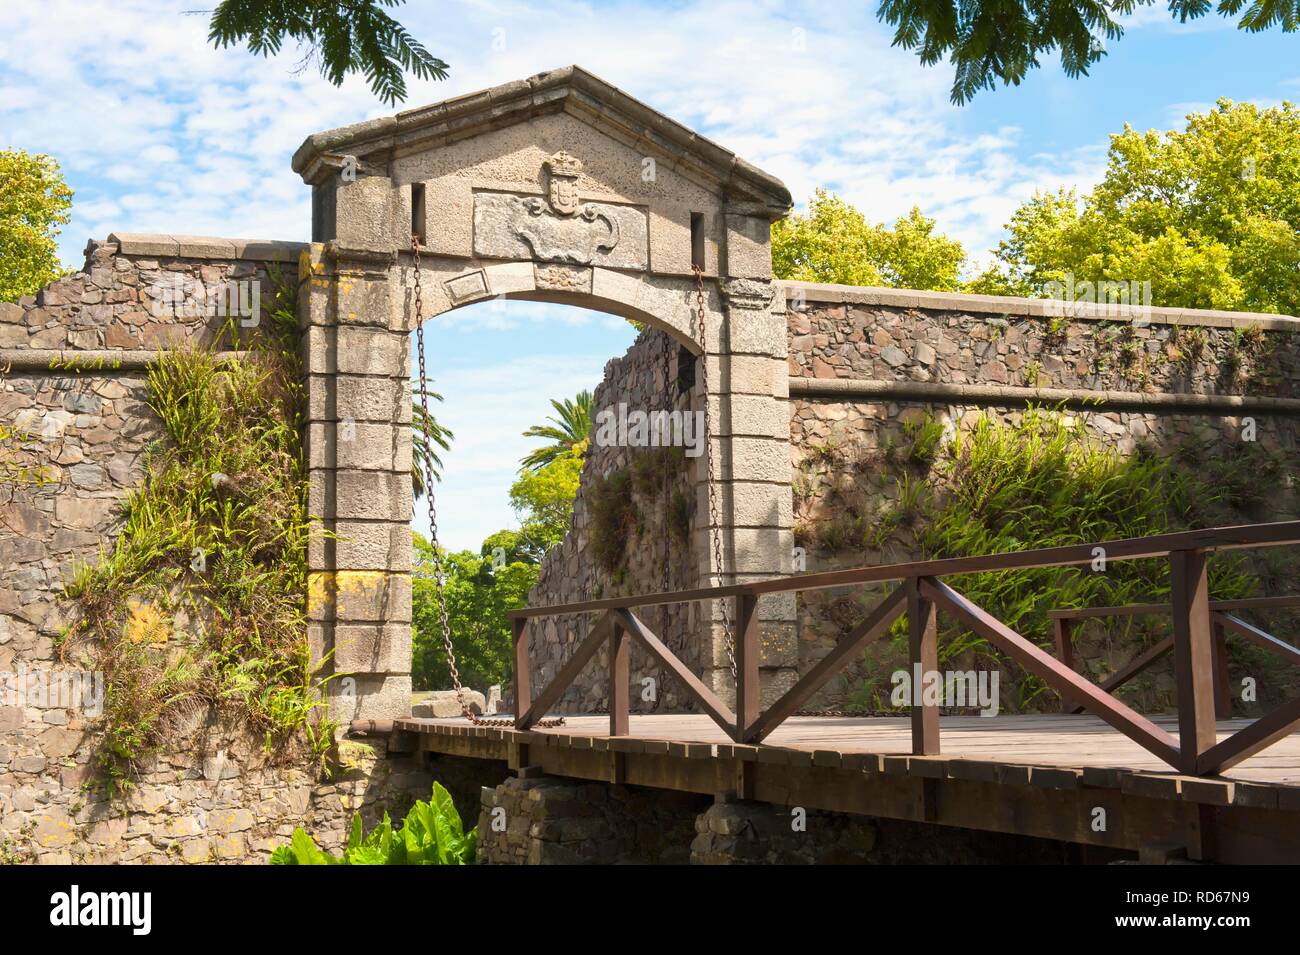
(159, 132)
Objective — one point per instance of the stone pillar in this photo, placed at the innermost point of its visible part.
(358, 445)
(750, 444)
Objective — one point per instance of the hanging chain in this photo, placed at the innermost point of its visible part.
(715, 530)
(439, 571)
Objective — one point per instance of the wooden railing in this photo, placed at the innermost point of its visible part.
(921, 593)
(1223, 619)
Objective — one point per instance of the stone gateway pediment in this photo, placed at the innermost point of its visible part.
(560, 168)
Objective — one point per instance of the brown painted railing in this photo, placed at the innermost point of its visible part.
(920, 593)
(1223, 619)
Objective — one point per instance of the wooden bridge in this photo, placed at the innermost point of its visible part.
(1098, 774)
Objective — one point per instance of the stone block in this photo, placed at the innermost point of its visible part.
(371, 351)
(748, 249)
(443, 704)
(362, 301)
(370, 697)
(749, 374)
(372, 495)
(372, 648)
(359, 596)
(372, 545)
(752, 415)
(751, 459)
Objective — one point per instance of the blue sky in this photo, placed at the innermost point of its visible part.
(157, 132)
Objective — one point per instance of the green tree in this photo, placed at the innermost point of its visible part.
(427, 435)
(991, 40)
(480, 589)
(1210, 215)
(34, 202)
(834, 242)
(343, 36)
(543, 499)
(568, 430)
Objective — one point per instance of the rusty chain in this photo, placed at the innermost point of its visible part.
(439, 571)
(715, 530)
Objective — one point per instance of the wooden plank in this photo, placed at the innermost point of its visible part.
(1193, 655)
(1207, 539)
(714, 707)
(620, 675)
(1258, 637)
(850, 647)
(523, 691)
(1124, 718)
(1063, 637)
(1133, 667)
(1222, 689)
(923, 647)
(1243, 744)
(568, 673)
(747, 661)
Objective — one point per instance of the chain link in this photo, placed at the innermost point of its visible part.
(439, 571)
(715, 529)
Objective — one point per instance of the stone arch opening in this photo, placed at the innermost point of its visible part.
(559, 189)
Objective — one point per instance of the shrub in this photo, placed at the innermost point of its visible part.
(200, 605)
(431, 834)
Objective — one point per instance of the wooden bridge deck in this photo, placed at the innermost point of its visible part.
(1039, 775)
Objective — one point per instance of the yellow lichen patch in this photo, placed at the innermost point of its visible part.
(320, 593)
(357, 592)
(146, 624)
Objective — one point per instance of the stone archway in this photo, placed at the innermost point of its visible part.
(559, 188)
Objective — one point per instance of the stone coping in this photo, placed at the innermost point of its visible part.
(206, 247)
(569, 88)
(849, 389)
(1032, 307)
(58, 362)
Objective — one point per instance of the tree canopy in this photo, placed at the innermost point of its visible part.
(342, 36)
(34, 202)
(1209, 215)
(991, 40)
(834, 242)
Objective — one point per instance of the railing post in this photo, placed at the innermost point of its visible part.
(1222, 689)
(1193, 655)
(747, 676)
(523, 691)
(924, 645)
(1063, 632)
(620, 673)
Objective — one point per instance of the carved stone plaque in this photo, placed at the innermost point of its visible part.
(513, 226)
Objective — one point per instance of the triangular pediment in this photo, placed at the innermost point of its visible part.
(570, 90)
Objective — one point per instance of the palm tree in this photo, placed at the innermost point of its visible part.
(566, 432)
(426, 436)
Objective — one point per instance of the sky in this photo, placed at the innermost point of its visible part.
(158, 132)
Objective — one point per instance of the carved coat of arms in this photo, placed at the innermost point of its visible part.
(562, 172)
(564, 232)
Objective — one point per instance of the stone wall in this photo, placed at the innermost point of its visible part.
(551, 821)
(653, 489)
(73, 361)
(867, 364)
(548, 820)
(224, 806)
